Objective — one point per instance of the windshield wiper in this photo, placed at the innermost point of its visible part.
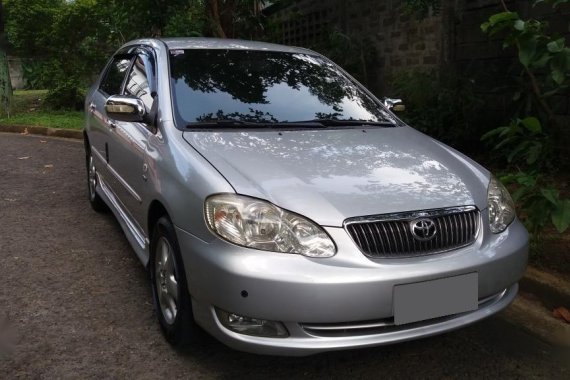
(229, 123)
(316, 123)
(351, 123)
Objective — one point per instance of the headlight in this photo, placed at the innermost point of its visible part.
(501, 206)
(254, 223)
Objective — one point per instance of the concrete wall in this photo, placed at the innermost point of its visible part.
(16, 73)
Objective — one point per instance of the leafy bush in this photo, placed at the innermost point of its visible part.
(523, 139)
(69, 94)
(527, 143)
(539, 201)
(444, 106)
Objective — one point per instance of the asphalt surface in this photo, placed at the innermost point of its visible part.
(78, 302)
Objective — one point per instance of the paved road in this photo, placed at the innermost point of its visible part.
(80, 302)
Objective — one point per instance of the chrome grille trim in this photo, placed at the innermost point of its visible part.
(385, 325)
(389, 235)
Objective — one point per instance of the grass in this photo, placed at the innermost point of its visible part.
(28, 109)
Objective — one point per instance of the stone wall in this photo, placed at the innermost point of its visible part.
(449, 41)
(398, 40)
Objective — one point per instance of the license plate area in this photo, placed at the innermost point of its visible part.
(435, 298)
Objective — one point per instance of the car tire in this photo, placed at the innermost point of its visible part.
(95, 200)
(169, 287)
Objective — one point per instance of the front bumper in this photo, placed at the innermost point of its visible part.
(346, 289)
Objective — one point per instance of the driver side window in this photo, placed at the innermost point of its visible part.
(113, 80)
(137, 83)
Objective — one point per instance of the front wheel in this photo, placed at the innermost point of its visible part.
(169, 286)
(95, 200)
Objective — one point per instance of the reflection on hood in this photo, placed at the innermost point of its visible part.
(331, 175)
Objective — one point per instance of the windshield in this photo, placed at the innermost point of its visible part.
(265, 87)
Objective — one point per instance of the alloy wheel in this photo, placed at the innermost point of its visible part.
(165, 281)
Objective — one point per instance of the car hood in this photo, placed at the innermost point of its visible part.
(332, 174)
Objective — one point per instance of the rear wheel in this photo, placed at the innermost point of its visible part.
(95, 200)
(169, 286)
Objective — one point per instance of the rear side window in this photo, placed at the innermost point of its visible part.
(113, 80)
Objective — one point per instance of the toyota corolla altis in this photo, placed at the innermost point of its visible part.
(284, 209)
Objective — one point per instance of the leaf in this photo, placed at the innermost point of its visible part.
(527, 180)
(558, 2)
(519, 25)
(532, 124)
(498, 22)
(527, 49)
(519, 193)
(551, 194)
(534, 153)
(503, 17)
(542, 61)
(517, 150)
(561, 216)
(558, 76)
(492, 133)
(556, 46)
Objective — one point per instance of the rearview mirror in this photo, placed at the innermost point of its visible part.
(394, 105)
(125, 108)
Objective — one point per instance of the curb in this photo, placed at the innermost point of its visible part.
(556, 288)
(44, 131)
(539, 293)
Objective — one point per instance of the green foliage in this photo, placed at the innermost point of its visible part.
(185, 24)
(536, 49)
(527, 142)
(540, 202)
(522, 141)
(68, 94)
(29, 109)
(441, 106)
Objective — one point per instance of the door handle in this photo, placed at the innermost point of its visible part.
(111, 124)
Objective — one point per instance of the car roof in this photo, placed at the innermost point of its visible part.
(225, 43)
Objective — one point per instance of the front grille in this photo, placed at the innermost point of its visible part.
(392, 235)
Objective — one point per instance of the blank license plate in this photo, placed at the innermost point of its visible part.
(436, 298)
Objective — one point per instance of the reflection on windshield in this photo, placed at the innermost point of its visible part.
(264, 86)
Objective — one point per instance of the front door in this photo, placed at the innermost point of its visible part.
(128, 144)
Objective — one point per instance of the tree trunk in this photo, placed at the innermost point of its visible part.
(213, 13)
(5, 83)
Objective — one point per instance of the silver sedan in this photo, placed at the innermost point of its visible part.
(284, 209)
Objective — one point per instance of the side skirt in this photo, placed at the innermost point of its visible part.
(138, 240)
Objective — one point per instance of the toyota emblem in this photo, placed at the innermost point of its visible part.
(423, 229)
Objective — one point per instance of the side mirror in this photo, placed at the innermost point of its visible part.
(126, 108)
(395, 105)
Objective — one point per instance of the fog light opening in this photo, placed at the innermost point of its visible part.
(251, 326)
